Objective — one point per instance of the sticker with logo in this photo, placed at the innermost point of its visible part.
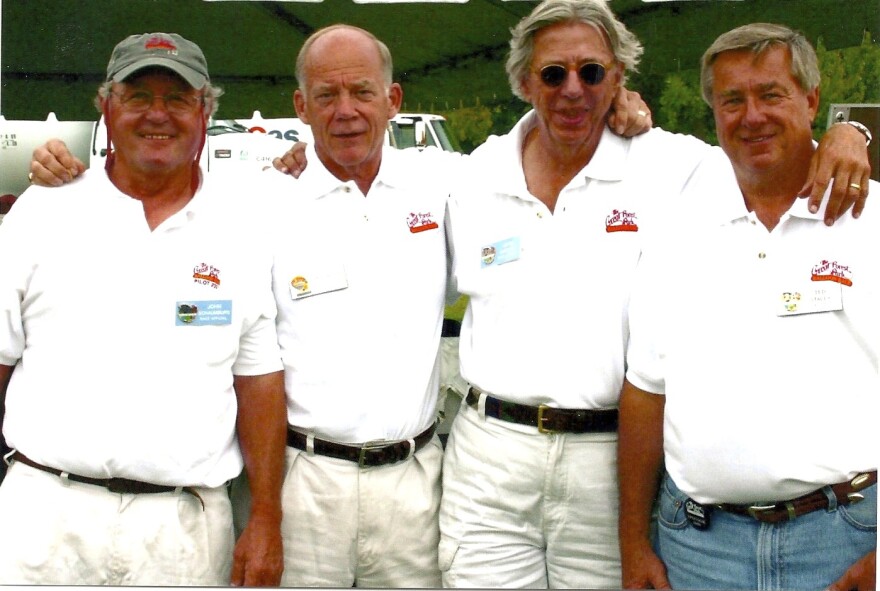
(621, 221)
(299, 286)
(327, 279)
(832, 271)
(498, 253)
(205, 274)
(420, 222)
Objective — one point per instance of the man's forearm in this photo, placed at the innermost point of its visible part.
(262, 424)
(640, 459)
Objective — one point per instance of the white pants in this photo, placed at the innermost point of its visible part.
(526, 509)
(371, 527)
(54, 532)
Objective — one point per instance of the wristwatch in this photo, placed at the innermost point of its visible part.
(865, 131)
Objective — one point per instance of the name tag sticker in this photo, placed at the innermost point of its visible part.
(203, 313)
(498, 253)
(810, 299)
(332, 278)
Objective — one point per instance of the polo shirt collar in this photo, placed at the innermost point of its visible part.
(321, 182)
(729, 204)
(607, 164)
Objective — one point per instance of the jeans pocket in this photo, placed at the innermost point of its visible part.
(670, 506)
(862, 514)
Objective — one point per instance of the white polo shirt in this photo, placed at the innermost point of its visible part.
(546, 323)
(360, 284)
(766, 344)
(116, 374)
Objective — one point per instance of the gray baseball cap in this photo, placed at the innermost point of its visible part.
(166, 50)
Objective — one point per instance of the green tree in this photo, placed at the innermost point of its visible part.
(682, 109)
(849, 75)
(471, 125)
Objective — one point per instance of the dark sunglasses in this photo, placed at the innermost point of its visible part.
(591, 73)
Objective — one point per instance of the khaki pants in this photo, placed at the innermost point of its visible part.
(373, 527)
(526, 509)
(56, 532)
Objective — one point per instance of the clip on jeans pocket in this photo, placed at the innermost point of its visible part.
(697, 514)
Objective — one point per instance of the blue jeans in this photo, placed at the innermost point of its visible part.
(738, 552)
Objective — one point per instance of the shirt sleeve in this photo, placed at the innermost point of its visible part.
(645, 314)
(259, 352)
(18, 256)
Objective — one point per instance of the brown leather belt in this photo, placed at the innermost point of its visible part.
(114, 485)
(374, 453)
(546, 418)
(845, 492)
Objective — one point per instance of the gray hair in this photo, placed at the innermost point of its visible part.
(757, 38)
(210, 94)
(384, 53)
(625, 45)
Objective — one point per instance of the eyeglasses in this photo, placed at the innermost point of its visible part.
(176, 103)
(591, 73)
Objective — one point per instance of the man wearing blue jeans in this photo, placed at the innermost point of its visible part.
(769, 456)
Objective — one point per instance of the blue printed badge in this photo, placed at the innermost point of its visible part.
(204, 313)
(500, 252)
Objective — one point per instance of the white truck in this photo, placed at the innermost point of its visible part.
(232, 143)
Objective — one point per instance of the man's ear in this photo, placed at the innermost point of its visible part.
(299, 105)
(395, 96)
(813, 103)
(525, 89)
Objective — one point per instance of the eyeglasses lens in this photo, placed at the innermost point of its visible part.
(554, 75)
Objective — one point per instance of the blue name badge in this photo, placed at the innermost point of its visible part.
(203, 313)
(500, 252)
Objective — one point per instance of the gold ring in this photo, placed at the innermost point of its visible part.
(642, 113)
(31, 178)
(856, 186)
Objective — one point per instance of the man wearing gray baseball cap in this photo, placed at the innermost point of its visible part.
(138, 354)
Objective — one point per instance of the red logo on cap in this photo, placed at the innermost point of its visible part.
(160, 43)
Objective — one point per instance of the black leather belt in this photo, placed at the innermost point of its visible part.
(845, 492)
(114, 485)
(546, 418)
(369, 454)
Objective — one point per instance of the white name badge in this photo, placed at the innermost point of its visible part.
(820, 296)
(317, 282)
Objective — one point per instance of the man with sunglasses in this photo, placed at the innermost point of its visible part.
(138, 354)
(546, 232)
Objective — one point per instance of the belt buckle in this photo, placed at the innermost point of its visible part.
(367, 447)
(116, 485)
(755, 511)
(542, 418)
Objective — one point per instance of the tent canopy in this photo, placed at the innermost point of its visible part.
(54, 52)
